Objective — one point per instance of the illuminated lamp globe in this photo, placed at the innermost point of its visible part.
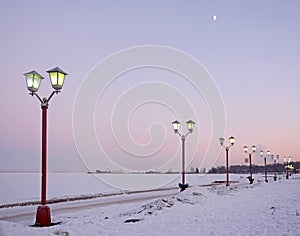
(33, 81)
(176, 125)
(190, 125)
(231, 140)
(57, 78)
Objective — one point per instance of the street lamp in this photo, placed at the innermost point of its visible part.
(287, 166)
(265, 158)
(190, 127)
(275, 158)
(33, 81)
(246, 151)
(231, 140)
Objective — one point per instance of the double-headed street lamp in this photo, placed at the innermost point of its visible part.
(246, 151)
(231, 140)
(176, 127)
(265, 158)
(287, 162)
(33, 81)
(275, 158)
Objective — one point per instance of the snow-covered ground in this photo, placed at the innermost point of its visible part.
(241, 209)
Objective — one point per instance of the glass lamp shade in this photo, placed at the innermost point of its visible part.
(231, 140)
(289, 160)
(176, 125)
(190, 125)
(268, 153)
(284, 159)
(33, 81)
(261, 153)
(245, 149)
(57, 77)
(221, 141)
(253, 148)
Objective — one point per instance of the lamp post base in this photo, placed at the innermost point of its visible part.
(266, 181)
(183, 186)
(43, 216)
(287, 177)
(275, 178)
(250, 180)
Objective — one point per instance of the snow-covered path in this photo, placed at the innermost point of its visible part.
(27, 213)
(261, 209)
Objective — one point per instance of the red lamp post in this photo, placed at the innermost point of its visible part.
(265, 159)
(274, 166)
(176, 127)
(231, 140)
(246, 151)
(33, 81)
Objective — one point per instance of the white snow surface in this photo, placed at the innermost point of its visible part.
(240, 209)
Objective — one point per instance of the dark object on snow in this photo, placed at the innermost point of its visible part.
(132, 220)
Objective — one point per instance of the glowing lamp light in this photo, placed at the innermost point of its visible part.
(231, 140)
(268, 153)
(245, 149)
(253, 148)
(289, 159)
(261, 153)
(284, 159)
(57, 77)
(176, 125)
(33, 81)
(190, 125)
(222, 141)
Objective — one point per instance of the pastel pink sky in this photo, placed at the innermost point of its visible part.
(252, 51)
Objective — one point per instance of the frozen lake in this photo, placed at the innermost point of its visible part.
(20, 187)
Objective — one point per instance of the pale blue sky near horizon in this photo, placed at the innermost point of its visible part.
(252, 51)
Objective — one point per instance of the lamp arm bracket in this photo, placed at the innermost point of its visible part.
(187, 134)
(51, 95)
(38, 97)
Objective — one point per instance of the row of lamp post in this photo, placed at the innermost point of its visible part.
(275, 158)
(191, 125)
(57, 77)
(33, 81)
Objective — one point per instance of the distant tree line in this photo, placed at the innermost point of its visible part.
(241, 169)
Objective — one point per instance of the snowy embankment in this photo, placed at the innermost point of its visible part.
(25, 187)
(241, 209)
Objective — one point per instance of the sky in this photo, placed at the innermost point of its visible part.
(250, 52)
